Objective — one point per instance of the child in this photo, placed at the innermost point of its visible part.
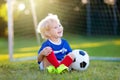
(55, 53)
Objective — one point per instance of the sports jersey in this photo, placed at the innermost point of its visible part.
(60, 50)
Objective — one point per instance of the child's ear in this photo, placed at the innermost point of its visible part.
(47, 33)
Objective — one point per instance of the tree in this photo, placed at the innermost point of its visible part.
(3, 19)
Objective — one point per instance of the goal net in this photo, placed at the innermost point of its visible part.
(79, 17)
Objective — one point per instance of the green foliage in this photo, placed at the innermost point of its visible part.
(3, 12)
(3, 20)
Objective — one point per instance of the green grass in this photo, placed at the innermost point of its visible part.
(3, 46)
(106, 46)
(28, 70)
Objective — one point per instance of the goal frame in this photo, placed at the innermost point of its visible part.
(11, 26)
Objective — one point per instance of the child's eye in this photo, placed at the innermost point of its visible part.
(57, 26)
(60, 25)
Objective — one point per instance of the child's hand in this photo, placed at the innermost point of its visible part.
(46, 51)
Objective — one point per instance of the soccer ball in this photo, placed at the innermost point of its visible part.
(81, 60)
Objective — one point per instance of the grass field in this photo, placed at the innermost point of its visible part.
(28, 70)
(105, 46)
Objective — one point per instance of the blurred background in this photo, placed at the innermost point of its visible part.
(91, 25)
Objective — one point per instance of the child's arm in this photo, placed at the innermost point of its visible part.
(45, 52)
(40, 57)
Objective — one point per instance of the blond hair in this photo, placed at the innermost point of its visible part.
(45, 25)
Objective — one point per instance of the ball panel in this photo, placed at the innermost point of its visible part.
(83, 64)
(82, 53)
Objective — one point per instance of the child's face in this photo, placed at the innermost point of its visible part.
(56, 30)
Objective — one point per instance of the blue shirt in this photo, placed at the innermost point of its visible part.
(59, 50)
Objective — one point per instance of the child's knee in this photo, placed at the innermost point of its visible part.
(71, 55)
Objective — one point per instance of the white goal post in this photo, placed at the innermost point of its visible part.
(10, 29)
(11, 26)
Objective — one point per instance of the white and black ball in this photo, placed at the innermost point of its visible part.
(81, 60)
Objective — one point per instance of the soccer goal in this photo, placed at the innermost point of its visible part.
(89, 19)
(22, 23)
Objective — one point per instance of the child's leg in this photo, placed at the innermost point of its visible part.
(46, 63)
(52, 59)
(68, 60)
